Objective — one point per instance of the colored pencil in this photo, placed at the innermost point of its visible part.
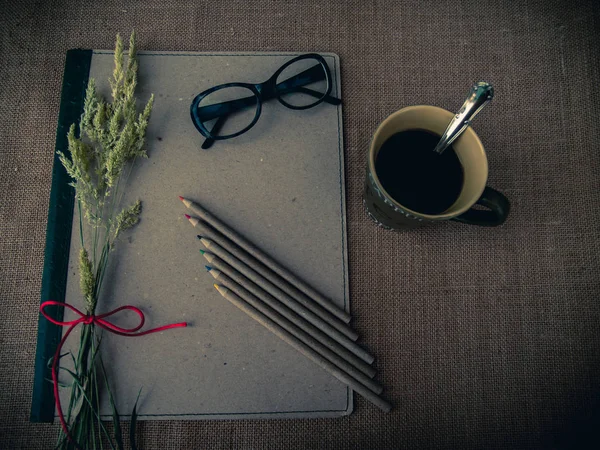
(298, 333)
(234, 280)
(266, 260)
(304, 349)
(315, 320)
(276, 292)
(206, 231)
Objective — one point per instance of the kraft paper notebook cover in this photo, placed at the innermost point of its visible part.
(281, 185)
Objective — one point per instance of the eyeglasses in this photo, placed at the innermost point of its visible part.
(231, 109)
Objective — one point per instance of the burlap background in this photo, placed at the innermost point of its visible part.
(484, 337)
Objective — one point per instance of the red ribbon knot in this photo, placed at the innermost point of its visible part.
(99, 320)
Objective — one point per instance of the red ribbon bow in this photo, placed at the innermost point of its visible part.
(102, 323)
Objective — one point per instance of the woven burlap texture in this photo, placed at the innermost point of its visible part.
(484, 338)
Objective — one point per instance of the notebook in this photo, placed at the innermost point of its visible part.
(281, 185)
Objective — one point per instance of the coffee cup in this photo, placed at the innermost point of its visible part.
(394, 203)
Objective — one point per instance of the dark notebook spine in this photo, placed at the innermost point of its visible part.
(58, 234)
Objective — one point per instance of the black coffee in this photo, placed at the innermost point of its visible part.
(417, 177)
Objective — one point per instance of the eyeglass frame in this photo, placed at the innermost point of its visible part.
(264, 91)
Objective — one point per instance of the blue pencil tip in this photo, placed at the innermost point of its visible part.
(208, 268)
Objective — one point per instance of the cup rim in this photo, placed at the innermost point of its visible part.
(469, 133)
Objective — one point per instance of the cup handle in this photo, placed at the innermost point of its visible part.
(498, 206)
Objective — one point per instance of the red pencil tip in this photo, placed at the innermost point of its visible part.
(187, 217)
(181, 198)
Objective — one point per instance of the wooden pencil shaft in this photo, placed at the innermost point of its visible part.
(267, 260)
(244, 256)
(306, 350)
(301, 335)
(234, 280)
(249, 272)
(307, 315)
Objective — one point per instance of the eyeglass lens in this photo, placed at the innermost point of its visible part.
(302, 83)
(228, 111)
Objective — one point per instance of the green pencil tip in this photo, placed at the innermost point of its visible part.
(202, 252)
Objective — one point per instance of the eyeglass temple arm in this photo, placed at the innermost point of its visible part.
(208, 142)
(219, 124)
(328, 98)
(206, 113)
